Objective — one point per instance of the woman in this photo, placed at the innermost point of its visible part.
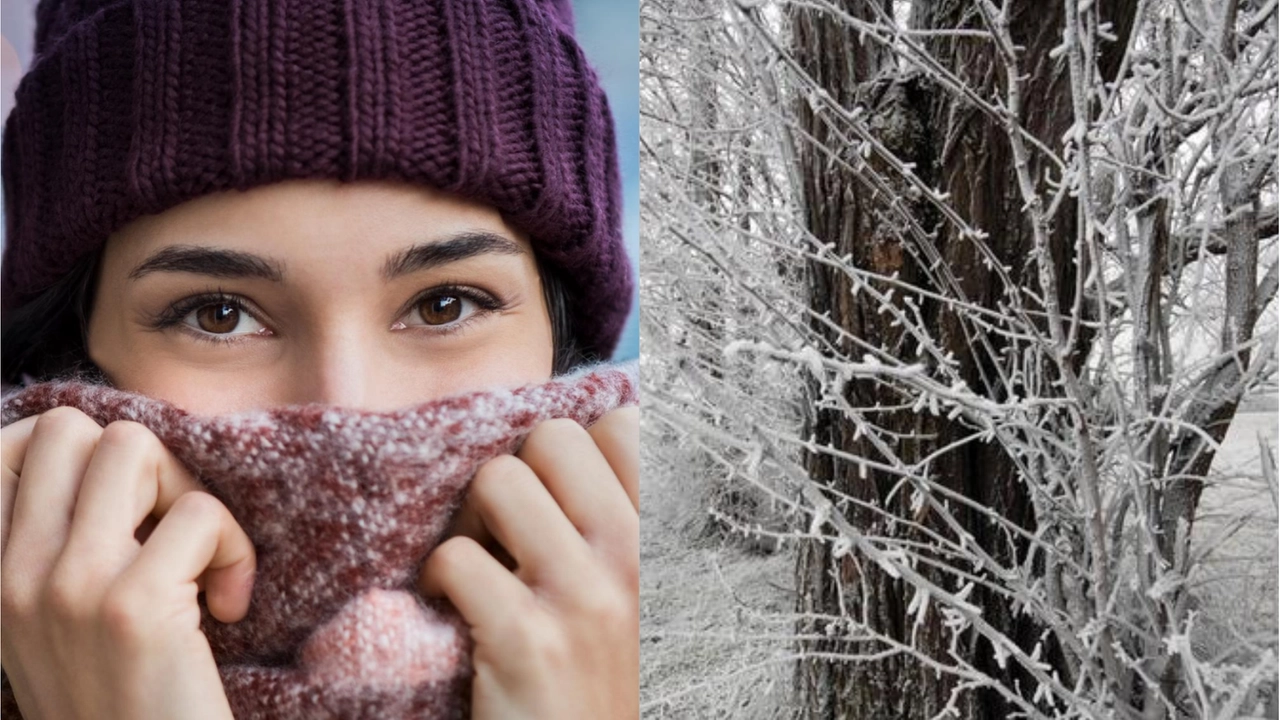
(239, 205)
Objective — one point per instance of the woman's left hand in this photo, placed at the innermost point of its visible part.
(557, 634)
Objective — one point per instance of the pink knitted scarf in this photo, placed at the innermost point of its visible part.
(343, 506)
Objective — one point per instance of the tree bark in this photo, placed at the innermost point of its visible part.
(959, 150)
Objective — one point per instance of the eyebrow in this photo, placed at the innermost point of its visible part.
(425, 256)
(217, 262)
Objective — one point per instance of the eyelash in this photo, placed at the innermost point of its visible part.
(485, 302)
(175, 315)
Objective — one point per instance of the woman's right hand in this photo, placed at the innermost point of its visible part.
(98, 624)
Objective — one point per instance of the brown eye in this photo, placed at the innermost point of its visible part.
(226, 318)
(218, 318)
(440, 309)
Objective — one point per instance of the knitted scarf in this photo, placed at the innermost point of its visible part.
(342, 506)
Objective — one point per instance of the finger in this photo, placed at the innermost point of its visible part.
(198, 536)
(53, 462)
(518, 510)
(14, 440)
(579, 477)
(484, 592)
(131, 476)
(617, 435)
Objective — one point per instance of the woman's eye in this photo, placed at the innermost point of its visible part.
(446, 309)
(223, 318)
(442, 309)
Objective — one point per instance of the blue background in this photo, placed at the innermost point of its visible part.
(609, 32)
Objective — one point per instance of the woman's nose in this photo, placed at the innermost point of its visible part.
(339, 368)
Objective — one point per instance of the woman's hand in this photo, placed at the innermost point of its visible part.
(98, 624)
(557, 636)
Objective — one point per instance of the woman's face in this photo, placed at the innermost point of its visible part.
(372, 295)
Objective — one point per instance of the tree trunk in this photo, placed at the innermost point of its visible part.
(961, 151)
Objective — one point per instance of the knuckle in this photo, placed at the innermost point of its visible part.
(621, 420)
(541, 642)
(618, 428)
(451, 551)
(497, 471)
(607, 607)
(130, 433)
(197, 505)
(124, 614)
(454, 553)
(556, 430)
(17, 599)
(619, 548)
(64, 596)
(64, 420)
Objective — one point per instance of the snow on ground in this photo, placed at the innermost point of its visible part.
(709, 647)
(1237, 527)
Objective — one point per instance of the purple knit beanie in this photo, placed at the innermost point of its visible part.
(131, 107)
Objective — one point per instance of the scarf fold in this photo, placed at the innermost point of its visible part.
(343, 506)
